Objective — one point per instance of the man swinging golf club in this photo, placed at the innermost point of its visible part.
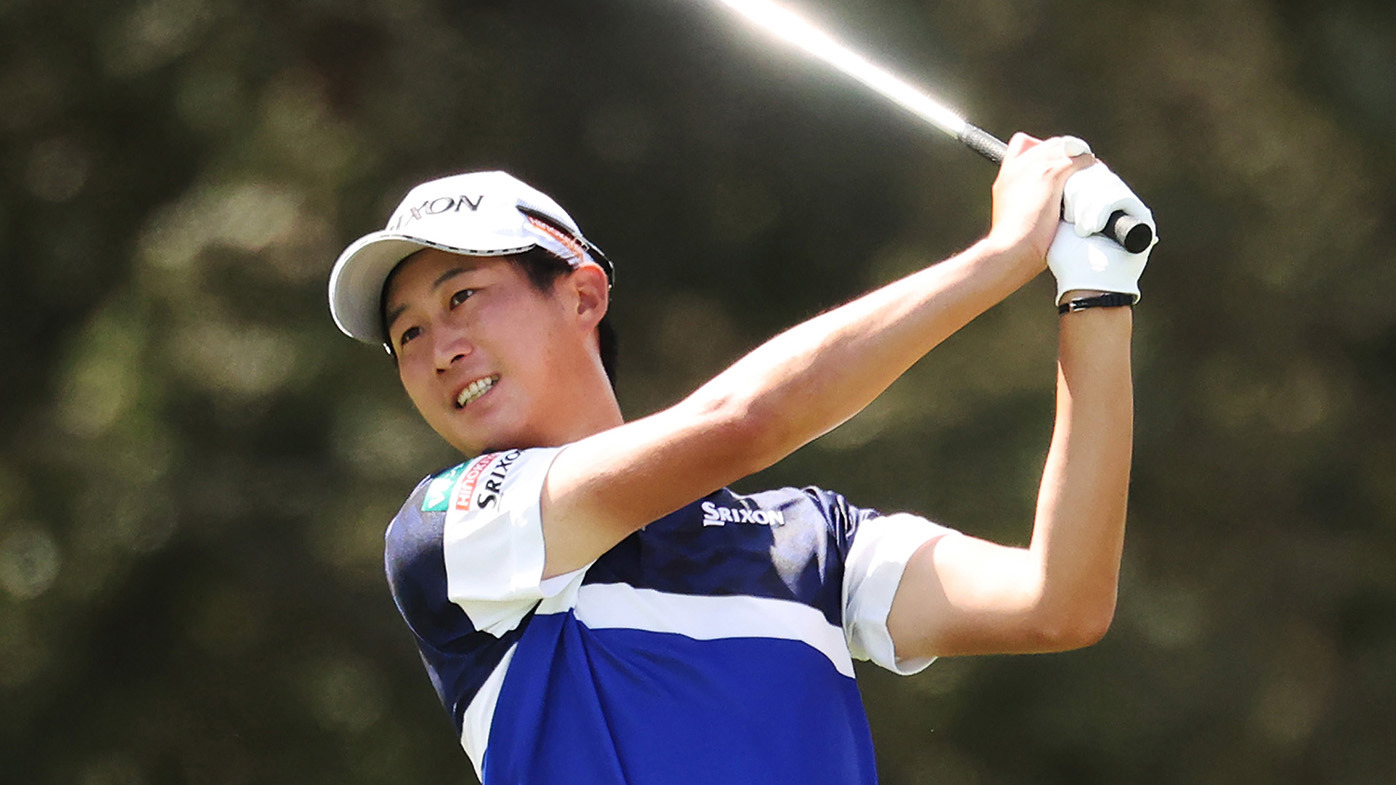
(591, 602)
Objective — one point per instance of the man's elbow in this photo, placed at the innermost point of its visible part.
(1091, 628)
(1081, 625)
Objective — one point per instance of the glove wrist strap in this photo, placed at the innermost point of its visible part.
(1110, 300)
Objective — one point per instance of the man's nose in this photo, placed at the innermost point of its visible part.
(450, 350)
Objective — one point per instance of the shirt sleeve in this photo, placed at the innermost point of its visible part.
(492, 538)
(873, 567)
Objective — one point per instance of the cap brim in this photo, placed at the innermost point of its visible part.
(356, 284)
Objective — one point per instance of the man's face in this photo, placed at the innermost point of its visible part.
(482, 353)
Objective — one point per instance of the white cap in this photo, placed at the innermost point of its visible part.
(476, 214)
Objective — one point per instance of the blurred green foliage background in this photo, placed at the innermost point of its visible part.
(196, 468)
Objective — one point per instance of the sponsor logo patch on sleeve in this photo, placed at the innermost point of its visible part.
(483, 481)
(438, 495)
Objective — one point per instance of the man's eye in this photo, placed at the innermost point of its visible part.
(408, 334)
(461, 296)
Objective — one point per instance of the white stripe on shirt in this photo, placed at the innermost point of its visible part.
(621, 606)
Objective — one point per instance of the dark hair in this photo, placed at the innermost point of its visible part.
(542, 269)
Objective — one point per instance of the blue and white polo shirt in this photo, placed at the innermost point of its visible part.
(714, 645)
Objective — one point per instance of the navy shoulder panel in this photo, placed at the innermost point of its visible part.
(458, 658)
(786, 544)
(843, 517)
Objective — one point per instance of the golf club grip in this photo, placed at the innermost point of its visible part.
(1131, 233)
(983, 142)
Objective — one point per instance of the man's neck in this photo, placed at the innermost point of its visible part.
(591, 413)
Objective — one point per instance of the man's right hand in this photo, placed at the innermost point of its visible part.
(1028, 194)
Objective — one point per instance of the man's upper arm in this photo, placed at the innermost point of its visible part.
(963, 595)
(874, 566)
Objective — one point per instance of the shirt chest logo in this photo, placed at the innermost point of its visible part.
(715, 514)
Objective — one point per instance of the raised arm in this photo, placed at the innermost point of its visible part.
(803, 382)
(963, 595)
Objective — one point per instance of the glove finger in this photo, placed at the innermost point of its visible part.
(1091, 195)
(1101, 212)
(1075, 145)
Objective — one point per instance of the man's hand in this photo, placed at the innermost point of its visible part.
(1028, 193)
(1093, 264)
(1083, 261)
(1093, 194)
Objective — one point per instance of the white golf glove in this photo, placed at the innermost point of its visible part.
(1094, 263)
(1080, 258)
(1094, 193)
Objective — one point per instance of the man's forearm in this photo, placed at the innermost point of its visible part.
(1078, 535)
(811, 378)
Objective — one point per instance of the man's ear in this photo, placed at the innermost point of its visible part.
(593, 293)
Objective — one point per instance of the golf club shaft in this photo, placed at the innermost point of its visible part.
(782, 23)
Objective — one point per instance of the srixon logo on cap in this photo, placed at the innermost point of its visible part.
(437, 206)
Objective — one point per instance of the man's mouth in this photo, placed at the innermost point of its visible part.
(475, 389)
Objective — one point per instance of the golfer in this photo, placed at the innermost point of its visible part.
(594, 605)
